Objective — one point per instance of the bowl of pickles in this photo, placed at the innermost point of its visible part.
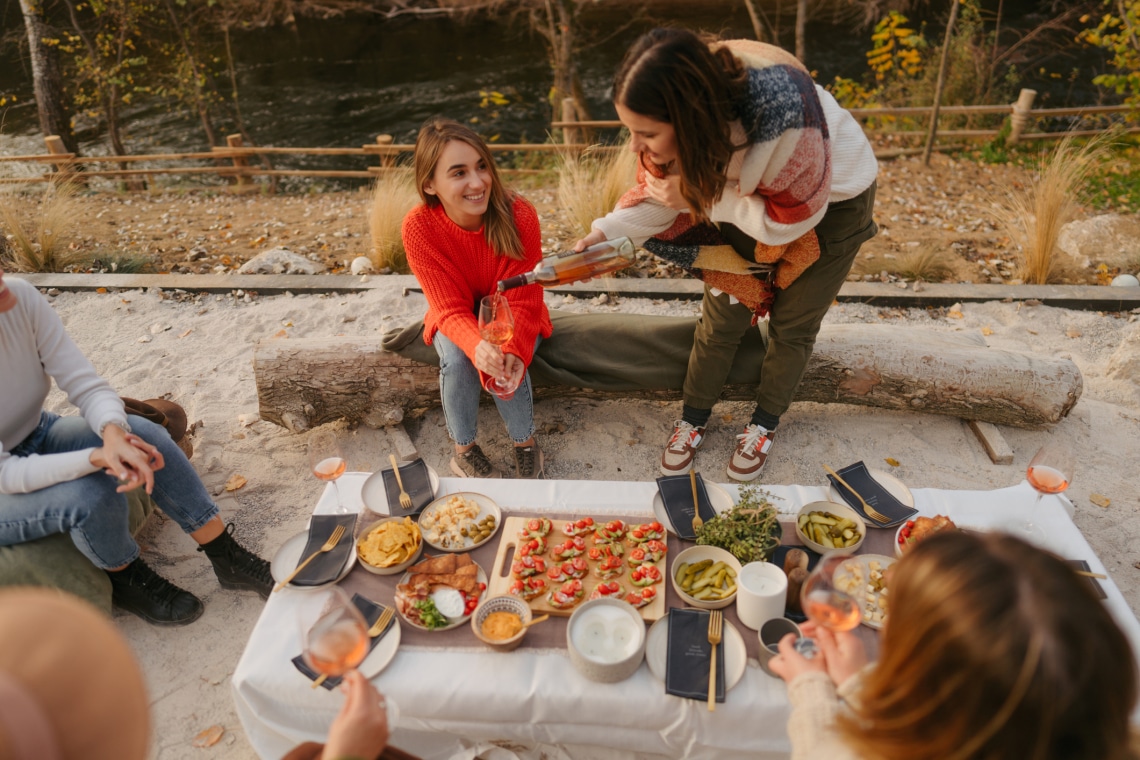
(824, 526)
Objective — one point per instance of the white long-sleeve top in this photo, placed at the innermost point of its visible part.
(853, 169)
(34, 350)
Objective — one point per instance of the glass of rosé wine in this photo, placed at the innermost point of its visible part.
(497, 327)
(1051, 469)
(338, 641)
(825, 604)
(326, 460)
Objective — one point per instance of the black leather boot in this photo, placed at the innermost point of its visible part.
(139, 589)
(238, 568)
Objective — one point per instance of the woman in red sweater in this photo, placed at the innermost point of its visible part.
(469, 233)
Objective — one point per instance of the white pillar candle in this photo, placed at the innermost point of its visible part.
(761, 594)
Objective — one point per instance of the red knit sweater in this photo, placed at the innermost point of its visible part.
(456, 267)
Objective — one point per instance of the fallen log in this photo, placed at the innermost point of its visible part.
(302, 383)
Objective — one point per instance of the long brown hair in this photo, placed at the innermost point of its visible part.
(994, 649)
(672, 76)
(498, 221)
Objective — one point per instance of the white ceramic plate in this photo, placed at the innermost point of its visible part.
(382, 653)
(732, 646)
(289, 555)
(867, 598)
(486, 507)
(719, 498)
(452, 622)
(893, 486)
(374, 496)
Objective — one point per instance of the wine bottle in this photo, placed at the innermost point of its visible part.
(572, 266)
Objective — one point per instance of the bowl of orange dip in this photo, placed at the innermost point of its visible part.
(499, 622)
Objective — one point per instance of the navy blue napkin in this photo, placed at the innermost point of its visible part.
(677, 496)
(417, 483)
(687, 656)
(859, 477)
(326, 566)
(371, 612)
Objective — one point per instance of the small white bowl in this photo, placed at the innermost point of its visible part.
(391, 569)
(699, 554)
(606, 640)
(502, 603)
(839, 510)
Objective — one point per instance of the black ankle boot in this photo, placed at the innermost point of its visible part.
(139, 589)
(238, 568)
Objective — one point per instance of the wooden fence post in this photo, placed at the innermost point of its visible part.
(570, 135)
(234, 142)
(387, 160)
(56, 147)
(1020, 117)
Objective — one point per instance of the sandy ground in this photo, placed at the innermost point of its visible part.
(198, 351)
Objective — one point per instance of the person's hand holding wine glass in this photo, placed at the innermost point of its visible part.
(326, 460)
(497, 327)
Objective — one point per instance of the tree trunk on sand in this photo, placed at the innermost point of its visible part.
(47, 77)
(303, 383)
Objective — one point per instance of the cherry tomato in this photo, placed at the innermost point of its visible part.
(482, 586)
(588, 521)
(648, 592)
(655, 526)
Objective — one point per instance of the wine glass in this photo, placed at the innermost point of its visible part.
(497, 326)
(326, 460)
(1051, 469)
(338, 641)
(825, 603)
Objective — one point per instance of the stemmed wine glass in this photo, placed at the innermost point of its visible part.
(1051, 469)
(824, 603)
(497, 326)
(338, 641)
(326, 459)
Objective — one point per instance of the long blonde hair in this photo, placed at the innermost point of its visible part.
(994, 649)
(498, 222)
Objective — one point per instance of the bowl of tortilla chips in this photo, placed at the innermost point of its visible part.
(390, 546)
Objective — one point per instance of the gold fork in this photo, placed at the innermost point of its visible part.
(405, 500)
(716, 626)
(334, 539)
(697, 521)
(376, 629)
(871, 511)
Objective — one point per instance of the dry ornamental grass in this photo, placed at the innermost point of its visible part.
(38, 232)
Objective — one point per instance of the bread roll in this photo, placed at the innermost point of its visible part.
(796, 580)
(793, 559)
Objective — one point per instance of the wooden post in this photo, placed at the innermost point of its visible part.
(1020, 117)
(387, 160)
(56, 147)
(242, 182)
(570, 135)
(932, 131)
(801, 27)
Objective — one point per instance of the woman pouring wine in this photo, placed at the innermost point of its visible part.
(469, 233)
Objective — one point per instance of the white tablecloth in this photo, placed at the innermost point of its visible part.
(449, 700)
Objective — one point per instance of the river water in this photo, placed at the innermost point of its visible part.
(339, 82)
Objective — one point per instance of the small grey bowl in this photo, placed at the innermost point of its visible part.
(611, 613)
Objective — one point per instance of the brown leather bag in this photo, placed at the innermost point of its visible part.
(166, 413)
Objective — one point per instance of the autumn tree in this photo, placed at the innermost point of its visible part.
(52, 105)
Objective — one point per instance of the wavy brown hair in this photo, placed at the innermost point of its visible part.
(498, 222)
(672, 76)
(994, 650)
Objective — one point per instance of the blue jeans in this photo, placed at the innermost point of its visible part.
(88, 508)
(459, 388)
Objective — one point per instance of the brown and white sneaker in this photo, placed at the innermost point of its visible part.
(473, 463)
(751, 452)
(682, 448)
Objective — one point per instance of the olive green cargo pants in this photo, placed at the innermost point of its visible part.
(793, 321)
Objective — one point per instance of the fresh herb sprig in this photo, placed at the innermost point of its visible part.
(750, 531)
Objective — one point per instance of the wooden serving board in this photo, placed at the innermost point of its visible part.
(501, 579)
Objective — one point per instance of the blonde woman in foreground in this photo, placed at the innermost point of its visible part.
(994, 649)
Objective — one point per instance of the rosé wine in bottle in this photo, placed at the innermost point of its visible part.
(572, 266)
